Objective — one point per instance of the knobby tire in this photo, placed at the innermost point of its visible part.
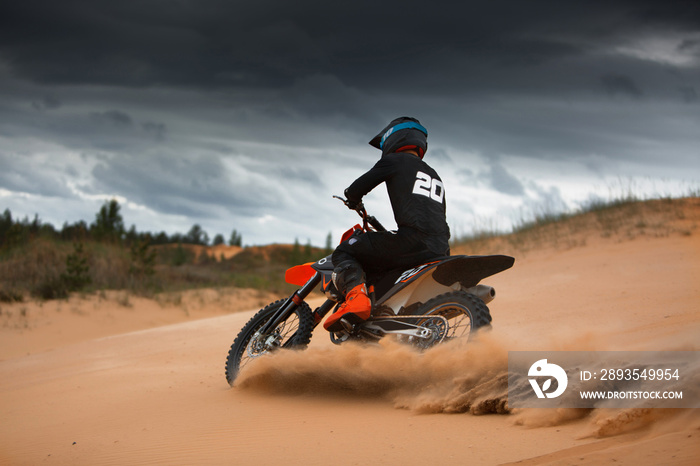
(297, 336)
(464, 311)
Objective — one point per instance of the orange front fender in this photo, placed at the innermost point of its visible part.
(299, 274)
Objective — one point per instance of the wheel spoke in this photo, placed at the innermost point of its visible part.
(292, 332)
(463, 311)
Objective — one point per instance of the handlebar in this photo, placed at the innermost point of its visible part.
(367, 220)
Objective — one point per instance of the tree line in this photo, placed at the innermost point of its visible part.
(104, 254)
(107, 227)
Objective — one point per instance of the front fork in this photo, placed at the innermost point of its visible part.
(294, 301)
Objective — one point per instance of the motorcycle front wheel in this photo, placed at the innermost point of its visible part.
(294, 332)
(465, 313)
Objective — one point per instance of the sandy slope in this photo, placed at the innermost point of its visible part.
(76, 389)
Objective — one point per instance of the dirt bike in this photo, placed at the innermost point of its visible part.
(424, 305)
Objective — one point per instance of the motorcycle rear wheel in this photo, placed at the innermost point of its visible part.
(464, 312)
(294, 332)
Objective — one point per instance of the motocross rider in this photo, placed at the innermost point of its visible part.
(417, 198)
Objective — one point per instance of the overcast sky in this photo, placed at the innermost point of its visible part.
(251, 115)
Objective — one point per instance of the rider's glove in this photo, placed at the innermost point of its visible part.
(353, 204)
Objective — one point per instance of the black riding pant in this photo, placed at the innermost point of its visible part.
(377, 252)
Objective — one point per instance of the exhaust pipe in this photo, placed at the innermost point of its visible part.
(484, 292)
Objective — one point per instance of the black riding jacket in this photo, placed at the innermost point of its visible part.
(415, 190)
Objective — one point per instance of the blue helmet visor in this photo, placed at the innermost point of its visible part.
(400, 126)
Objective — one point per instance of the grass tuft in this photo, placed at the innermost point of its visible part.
(620, 219)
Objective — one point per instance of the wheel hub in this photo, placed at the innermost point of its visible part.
(437, 326)
(262, 344)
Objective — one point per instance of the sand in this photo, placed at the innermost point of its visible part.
(115, 379)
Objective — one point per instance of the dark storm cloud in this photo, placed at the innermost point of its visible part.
(111, 130)
(113, 118)
(495, 176)
(117, 124)
(48, 102)
(157, 130)
(351, 67)
(77, 127)
(689, 94)
(230, 44)
(621, 85)
(296, 175)
(194, 186)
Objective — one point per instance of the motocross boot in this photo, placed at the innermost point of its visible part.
(356, 309)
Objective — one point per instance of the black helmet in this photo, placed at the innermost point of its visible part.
(403, 133)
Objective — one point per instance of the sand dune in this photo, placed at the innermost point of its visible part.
(98, 382)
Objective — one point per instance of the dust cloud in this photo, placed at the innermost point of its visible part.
(455, 377)
(451, 378)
